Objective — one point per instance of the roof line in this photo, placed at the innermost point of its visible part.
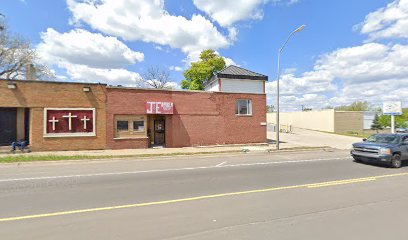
(57, 82)
(243, 69)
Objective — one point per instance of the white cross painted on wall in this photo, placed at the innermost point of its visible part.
(85, 119)
(69, 116)
(53, 121)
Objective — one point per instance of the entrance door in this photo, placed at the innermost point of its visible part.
(159, 132)
(8, 126)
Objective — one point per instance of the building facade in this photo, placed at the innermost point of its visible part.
(236, 79)
(328, 120)
(53, 115)
(138, 118)
(80, 116)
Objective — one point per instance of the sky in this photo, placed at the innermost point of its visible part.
(349, 50)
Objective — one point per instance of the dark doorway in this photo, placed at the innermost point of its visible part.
(27, 125)
(8, 126)
(159, 132)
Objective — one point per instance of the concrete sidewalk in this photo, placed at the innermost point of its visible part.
(309, 138)
(156, 151)
(300, 138)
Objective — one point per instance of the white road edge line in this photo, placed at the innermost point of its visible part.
(169, 170)
(219, 165)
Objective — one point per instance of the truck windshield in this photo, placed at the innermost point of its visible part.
(383, 138)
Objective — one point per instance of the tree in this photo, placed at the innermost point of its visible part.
(1, 22)
(376, 123)
(16, 54)
(385, 121)
(270, 108)
(156, 77)
(202, 70)
(355, 106)
(400, 121)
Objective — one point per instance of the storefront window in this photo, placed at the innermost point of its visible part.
(130, 126)
(122, 125)
(138, 126)
(243, 107)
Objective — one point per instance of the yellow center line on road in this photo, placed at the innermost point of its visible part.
(327, 184)
(312, 185)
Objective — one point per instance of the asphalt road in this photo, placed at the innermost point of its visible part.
(305, 195)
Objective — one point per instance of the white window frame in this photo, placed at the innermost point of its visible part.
(249, 107)
(131, 133)
(80, 134)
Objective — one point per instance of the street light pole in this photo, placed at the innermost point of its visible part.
(277, 128)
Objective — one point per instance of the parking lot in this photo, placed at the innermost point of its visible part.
(308, 138)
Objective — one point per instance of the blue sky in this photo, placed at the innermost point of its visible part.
(334, 61)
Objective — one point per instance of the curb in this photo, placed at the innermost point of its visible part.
(164, 155)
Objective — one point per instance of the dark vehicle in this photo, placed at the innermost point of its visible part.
(391, 149)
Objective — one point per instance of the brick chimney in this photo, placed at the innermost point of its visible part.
(30, 72)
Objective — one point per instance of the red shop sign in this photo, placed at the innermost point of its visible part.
(159, 107)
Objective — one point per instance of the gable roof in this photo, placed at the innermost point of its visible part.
(234, 72)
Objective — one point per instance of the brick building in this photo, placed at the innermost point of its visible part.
(27, 109)
(75, 116)
(194, 118)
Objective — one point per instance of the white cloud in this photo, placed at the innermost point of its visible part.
(148, 21)
(82, 47)
(173, 85)
(229, 62)
(176, 68)
(89, 57)
(167, 85)
(285, 2)
(387, 22)
(228, 12)
(117, 76)
(195, 56)
(372, 72)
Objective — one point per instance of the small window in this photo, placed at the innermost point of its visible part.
(138, 126)
(130, 126)
(243, 107)
(122, 125)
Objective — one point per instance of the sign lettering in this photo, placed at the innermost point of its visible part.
(159, 107)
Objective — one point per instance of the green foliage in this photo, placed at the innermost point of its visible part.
(270, 108)
(376, 124)
(385, 120)
(202, 70)
(400, 121)
(355, 106)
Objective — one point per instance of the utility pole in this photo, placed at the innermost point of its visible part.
(277, 85)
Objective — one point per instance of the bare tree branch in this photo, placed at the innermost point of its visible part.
(16, 54)
(156, 77)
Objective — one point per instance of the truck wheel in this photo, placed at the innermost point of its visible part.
(357, 159)
(396, 161)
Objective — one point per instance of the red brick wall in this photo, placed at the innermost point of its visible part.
(37, 95)
(200, 118)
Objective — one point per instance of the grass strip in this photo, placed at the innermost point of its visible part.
(34, 158)
(11, 158)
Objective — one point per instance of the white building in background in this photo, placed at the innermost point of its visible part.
(369, 119)
(236, 79)
(327, 120)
